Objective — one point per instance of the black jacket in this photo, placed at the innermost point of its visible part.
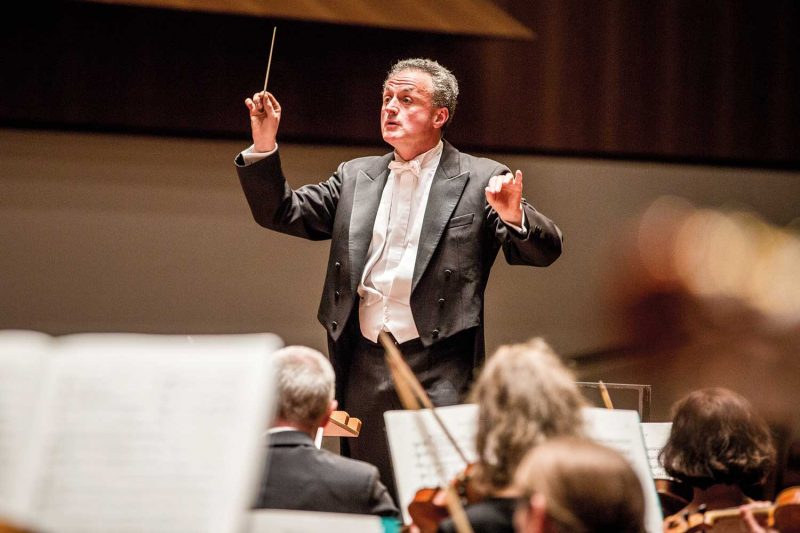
(301, 477)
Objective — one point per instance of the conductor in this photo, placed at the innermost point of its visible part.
(413, 236)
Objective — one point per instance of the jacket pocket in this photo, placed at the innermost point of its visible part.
(461, 220)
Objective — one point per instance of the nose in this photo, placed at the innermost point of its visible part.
(391, 106)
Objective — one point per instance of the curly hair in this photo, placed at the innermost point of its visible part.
(525, 395)
(445, 84)
(717, 438)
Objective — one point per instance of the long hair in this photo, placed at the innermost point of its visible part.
(587, 487)
(716, 438)
(525, 396)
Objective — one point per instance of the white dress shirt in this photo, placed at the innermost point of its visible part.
(385, 287)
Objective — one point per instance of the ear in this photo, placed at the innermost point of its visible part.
(440, 117)
(327, 416)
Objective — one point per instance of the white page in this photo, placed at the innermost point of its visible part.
(415, 467)
(655, 436)
(422, 455)
(620, 429)
(150, 433)
(280, 521)
(23, 360)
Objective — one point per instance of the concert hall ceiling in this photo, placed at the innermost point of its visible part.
(468, 17)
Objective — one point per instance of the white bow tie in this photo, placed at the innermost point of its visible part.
(413, 166)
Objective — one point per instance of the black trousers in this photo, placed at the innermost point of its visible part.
(365, 388)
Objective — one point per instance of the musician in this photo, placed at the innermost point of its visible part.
(414, 234)
(721, 448)
(525, 396)
(299, 475)
(569, 485)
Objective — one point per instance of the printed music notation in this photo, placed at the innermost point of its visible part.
(422, 455)
(655, 437)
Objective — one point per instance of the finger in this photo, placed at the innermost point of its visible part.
(498, 183)
(266, 102)
(747, 517)
(274, 102)
(257, 100)
(490, 187)
(250, 104)
(518, 178)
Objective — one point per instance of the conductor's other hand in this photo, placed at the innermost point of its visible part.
(265, 115)
(504, 194)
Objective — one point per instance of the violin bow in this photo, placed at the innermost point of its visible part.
(605, 395)
(413, 397)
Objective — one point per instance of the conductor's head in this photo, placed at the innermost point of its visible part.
(419, 100)
(305, 383)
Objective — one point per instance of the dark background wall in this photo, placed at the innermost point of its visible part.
(120, 209)
(710, 81)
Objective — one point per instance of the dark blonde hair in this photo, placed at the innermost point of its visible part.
(587, 487)
(525, 396)
(716, 438)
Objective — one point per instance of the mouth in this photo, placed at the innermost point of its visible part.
(391, 124)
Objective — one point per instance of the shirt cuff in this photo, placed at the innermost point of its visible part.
(250, 155)
(521, 230)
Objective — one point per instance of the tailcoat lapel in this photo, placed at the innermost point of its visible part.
(366, 199)
(446, 189)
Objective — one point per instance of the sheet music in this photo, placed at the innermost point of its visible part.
(280, 521)
(422, 455)
(23, 359)
(655, 438)
(412, 434)
(620, 429)
(150, 433)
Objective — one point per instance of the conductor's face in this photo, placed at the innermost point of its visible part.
(409, 120)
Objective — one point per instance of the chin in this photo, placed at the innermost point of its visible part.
(389, 138)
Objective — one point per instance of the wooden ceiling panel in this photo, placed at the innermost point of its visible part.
(464, 17)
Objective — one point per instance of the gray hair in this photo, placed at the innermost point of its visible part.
(525, 396)
(445, 84)
(305, 382)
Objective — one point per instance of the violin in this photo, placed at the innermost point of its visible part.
(783, 515)
(673, 495)
(430, 505)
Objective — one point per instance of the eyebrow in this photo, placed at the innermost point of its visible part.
(403, 87)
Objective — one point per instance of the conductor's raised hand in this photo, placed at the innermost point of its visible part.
(265, 115)
(504, 194)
